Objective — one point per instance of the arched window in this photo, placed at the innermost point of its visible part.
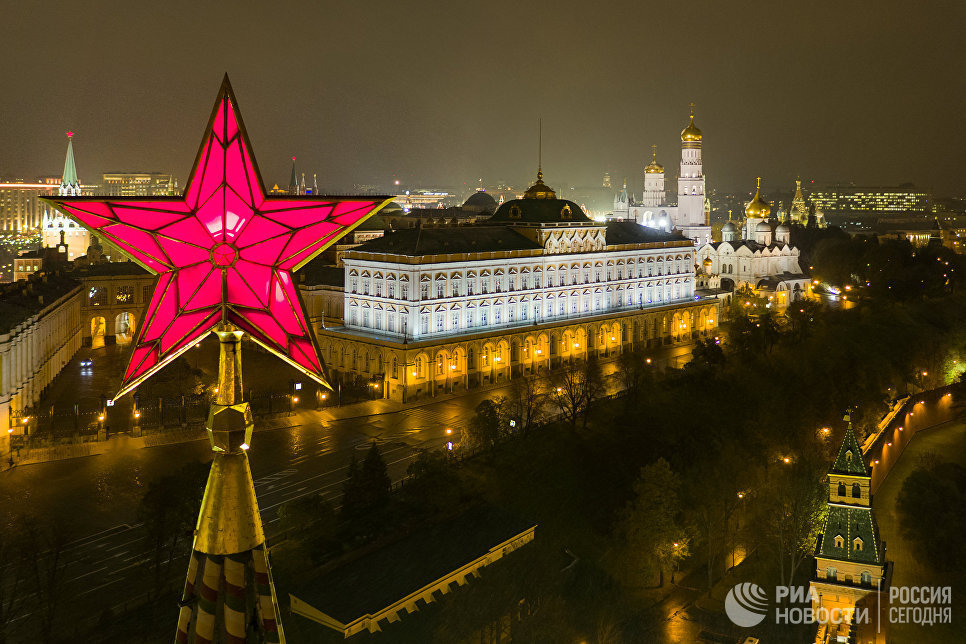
(857, 544)
(841, 489)
(839, 541)
(831, 573)
(856, 491)
(866, 578)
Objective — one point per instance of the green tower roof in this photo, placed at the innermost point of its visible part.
(850, 523)
(850, 460)
(70, 171)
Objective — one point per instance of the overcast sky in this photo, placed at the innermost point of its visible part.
(864, 92)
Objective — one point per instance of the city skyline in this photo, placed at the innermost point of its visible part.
(783, 92)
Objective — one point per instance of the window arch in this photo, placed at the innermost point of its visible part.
(856, 491)
(841, 488)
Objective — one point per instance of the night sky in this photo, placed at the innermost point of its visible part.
(440, 93)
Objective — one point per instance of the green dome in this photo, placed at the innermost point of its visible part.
(540, 211)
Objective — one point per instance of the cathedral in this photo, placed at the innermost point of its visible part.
(758, 254)
(691, 215)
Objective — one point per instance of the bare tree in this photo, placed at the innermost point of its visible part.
(567, 388)
(525, 404)
(45, 564)
(11, 576)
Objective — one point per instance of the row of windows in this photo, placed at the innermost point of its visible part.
(454, 286)
(485, 315)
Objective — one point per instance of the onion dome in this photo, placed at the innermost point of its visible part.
(539, 190)
(654, 167)
(707, 263)
(763, 227)
(691, 134)
(729, 227)
(783, 228)
(757, 208)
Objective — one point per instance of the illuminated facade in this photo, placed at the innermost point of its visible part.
(842, 201)
(433, 308)
(758, 255)
(139, 184)
(41, 331)
(691, 215)
(20, 208)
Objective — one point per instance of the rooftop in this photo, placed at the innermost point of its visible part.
(376, 579)
(20, 300)
(446, 240)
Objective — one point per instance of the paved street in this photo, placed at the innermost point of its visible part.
(95, 498)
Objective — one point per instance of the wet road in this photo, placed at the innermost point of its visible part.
(95, 499)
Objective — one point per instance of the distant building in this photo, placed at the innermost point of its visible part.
(20, 208)
(839, 203)
(43, 258)
(691, 216)
(139, 184)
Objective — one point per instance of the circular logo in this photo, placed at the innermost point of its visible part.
(746, 604)
(223, 255)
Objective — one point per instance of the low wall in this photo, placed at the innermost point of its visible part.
(920, 411)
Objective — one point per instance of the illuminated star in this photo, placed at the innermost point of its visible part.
(224, 251)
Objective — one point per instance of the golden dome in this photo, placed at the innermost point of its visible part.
(757, 208)
(691, 133)
(654, 167)
(707, 262)
(539, 190)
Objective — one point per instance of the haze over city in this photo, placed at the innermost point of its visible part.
(446, 93)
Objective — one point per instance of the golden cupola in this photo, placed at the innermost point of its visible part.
(691, 134)
(539, 190)
(757, 208)
(654, 167)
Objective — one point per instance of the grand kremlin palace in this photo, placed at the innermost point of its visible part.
(428, 310)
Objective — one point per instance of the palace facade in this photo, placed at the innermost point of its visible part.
(434, 309)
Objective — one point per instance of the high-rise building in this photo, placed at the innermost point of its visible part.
(139, 184)
(848, 201)
(20, 209)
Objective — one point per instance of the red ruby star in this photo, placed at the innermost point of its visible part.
(222, 252)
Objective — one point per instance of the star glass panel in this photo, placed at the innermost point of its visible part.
(223, 252)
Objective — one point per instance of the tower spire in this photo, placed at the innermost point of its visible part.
(69, 185)
(293, 182)
(539, 149)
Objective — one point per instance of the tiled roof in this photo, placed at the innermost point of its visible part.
(446, 240)
(850, 523)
